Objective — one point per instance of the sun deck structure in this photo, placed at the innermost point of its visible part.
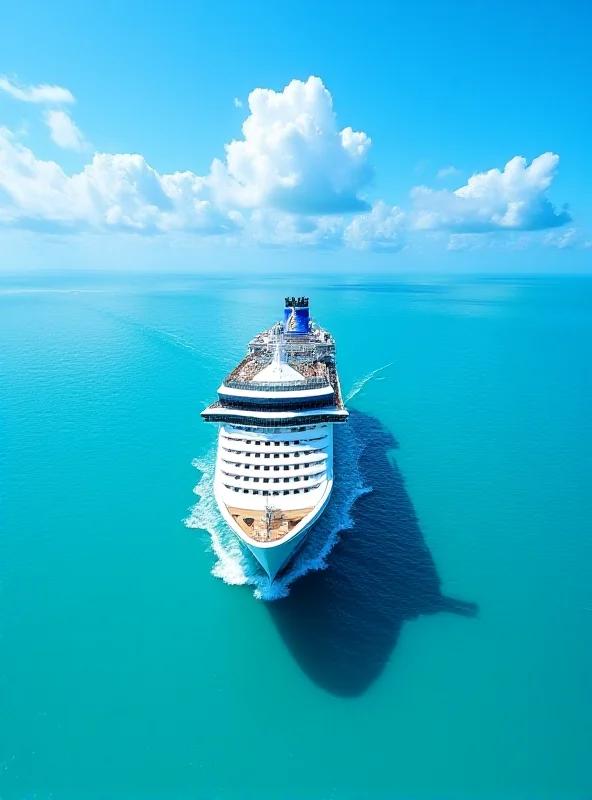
(276, 411)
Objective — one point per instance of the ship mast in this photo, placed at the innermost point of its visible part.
(269, 509)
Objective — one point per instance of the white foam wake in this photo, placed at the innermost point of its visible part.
(359, 385)
(152, 332)
(236, 566)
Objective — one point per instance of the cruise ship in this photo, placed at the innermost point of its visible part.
(276, 411)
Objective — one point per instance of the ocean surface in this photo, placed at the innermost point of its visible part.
(434, 639)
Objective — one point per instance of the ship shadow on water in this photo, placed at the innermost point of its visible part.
(342, 624)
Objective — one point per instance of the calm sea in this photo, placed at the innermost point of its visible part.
(433, 641)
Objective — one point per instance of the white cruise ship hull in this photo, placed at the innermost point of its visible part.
(275, 412)
(236, 504)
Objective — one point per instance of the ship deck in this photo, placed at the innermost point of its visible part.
(252, 522)
(251, 364)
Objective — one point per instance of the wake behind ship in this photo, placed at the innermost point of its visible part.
(276, 411)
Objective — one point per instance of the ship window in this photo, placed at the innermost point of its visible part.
(266, 455)
(286, 443)
(266, 469)
(276, 492)
(297, 441)
(297, 479)
(236, 488)
(286, 455)
(256, 480)
(296, 491)
(276, 455)
(307, 490)
(247, 466)
(267, 444)
(276, 480)
(286, 491)
(257, 466)
(277, 444)
(286, 467)
(265, 480)
(296, 466)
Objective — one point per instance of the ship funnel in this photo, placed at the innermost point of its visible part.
(296, 316)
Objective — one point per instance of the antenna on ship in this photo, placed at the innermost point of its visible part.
(269, 509)
(279, 355)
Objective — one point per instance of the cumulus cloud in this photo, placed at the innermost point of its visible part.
(113, 192)
(382, 229)
(446, 172)
(43, 93)
(294, 158)
(512, 199)
(63, 131)
(294, 178)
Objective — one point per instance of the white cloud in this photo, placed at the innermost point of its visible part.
(238, 103)
(512, 199)
(63, 131)
(113, 192)
(382, 229)
(568, 238)
(295, 178)
(52, 95)
(468, 241)
(294, 158)
(446, 172)
(278, 229)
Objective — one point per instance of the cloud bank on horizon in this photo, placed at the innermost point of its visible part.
(294, 178)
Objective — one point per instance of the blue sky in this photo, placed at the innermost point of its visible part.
(122, 142)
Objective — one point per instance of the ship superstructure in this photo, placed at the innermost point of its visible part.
(276, 411)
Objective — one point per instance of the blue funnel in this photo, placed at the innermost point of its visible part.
(296, 316)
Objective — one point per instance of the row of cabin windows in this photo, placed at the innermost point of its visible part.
(269, 455)
(245, 429)
(283, 430)
(287, 467)
(263, 442)
(266, 492)
(258, 424)
(246, 478)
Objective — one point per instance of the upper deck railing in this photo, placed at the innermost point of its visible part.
(278, 386)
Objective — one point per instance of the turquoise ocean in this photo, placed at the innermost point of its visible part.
(434, 638)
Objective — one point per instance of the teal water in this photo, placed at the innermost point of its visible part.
(446, 649)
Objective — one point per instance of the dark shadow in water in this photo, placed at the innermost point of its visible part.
(343, 623)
